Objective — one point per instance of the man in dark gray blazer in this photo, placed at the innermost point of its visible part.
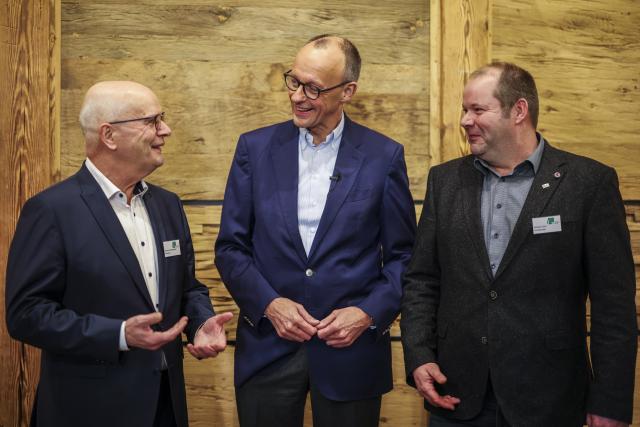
(512, 241)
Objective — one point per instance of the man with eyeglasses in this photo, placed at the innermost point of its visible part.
(317, 228)
(101, 277)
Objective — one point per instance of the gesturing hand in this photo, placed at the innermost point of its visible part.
(343, 326)
(425, 376)
(210, 338)
(291, 320)
(138, 332)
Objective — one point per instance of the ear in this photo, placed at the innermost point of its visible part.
(348, 91)
(520, 110)
(105, 134)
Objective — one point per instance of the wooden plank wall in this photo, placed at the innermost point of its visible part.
(29, 154)
(585, 56)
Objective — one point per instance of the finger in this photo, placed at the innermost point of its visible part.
(329, 332)
(223, 318)
(193, 351)
(434, 371)
(308, 329)
(306, 316)
(178, 327)
(146, 319)
(327, 320)
(293, 333)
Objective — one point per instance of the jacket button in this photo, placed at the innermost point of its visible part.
(309, 272)
(493, 295)
(484, 340)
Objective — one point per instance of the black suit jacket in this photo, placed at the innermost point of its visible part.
(525, 328)
(72, 278)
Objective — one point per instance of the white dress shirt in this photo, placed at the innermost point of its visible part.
(315, 168)
(134, 219)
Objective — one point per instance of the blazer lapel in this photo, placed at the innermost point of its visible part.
(347, 166)
(284, 156)
(552, 171)
(472, 180)
(159, 234)
(110, 225)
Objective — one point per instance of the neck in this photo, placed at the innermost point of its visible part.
(321, 132)
(125, 183)
(518, 151)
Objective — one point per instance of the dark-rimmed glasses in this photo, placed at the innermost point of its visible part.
(156, 119)
(310, 91)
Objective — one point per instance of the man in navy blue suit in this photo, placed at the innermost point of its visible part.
(101, 277)
(317, 228)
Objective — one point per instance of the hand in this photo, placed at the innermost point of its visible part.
(594, 420)
(291, 320)
(210, 338)
(343, 326)
(424, 376)
(138, 332)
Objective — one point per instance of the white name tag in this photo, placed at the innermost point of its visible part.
(171, 248)
(547, 224)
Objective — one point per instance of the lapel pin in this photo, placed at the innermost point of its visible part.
(545, 185)
(556, 174)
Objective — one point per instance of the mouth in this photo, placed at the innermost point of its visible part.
(301, 111)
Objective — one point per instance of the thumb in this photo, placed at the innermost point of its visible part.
(436, 374)
(223, 318)
(149, 319)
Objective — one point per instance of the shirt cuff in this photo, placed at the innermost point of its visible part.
(122, 346)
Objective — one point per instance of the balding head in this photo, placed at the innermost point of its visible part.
(111, 101)
(352, 61)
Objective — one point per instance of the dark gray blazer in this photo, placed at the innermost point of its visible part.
(525, 328)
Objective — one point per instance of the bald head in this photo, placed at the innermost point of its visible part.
(351, 56)
(110, 101)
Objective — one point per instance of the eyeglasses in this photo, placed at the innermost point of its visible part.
(156, 119)
(310, 91)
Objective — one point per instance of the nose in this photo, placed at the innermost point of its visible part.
(164, 130)
(466, 120)
(298, 94)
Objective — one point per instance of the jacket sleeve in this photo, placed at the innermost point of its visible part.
(422, 290)
(398, 229)
(609, 269)
(35, 287)
(233, 249)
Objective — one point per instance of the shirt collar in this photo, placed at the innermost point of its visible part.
(109, 188)
(532, 161)
(332, 141)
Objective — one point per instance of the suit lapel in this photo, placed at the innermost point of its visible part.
(552, 171)
(472, 180)
(110, 225)
(347, 166)
(159, 234)
(284, 157)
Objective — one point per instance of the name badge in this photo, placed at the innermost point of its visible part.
(547, 224)
(171, 248)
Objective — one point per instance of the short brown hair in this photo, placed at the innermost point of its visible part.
(514, 83)
(352, 61)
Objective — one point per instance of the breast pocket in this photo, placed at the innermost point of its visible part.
(358, 194)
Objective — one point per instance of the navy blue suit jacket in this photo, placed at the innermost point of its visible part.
(72, 278)
(361, 248)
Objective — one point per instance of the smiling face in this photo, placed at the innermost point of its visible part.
(488, 131)
(322, 67)
(139, 143)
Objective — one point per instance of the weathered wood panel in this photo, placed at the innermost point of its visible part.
(29, 147)
(217, 69)
(585, 55)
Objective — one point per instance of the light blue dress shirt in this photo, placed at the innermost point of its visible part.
(315, 169)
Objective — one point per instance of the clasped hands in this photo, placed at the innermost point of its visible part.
(208, 342)
(339, 329)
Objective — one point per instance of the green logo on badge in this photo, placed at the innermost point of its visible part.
(174, 244)
(550, 220)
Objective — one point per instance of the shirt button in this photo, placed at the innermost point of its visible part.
(493, 266)
(498, 206)
(493, 295)
(502, 179)
(150, 274)
(309, 272)
(495, 235)
(142, 243)
(120, 195)
(484, 340)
